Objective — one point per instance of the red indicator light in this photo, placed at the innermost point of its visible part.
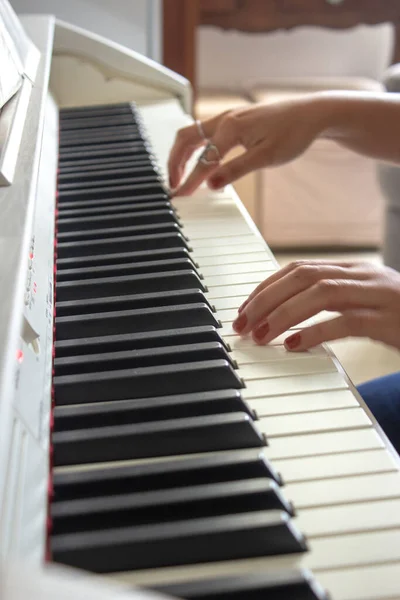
(20, 356)
(31, 255)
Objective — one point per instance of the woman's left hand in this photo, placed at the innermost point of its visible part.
(366, 296)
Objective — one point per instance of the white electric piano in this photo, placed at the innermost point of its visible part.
(140, 438)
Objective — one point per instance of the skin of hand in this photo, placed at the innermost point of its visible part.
(276, 133)
(367, 298)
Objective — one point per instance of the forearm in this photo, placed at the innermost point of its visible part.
(363, 122)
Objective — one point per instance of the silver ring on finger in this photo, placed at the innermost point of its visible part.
(200, 130)
(210, 155)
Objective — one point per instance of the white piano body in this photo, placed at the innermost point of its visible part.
(341, 474)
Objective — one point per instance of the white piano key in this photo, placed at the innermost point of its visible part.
(350, 518)
(198, 233)
(297, 403)
(261, 388)
(377, 582)
(316, 422)
(234, 279)
(268, 353)
(247, 258)
(341, 554)
(266, 268)
(336, 465)
(207, 250)
(229, 303)
(231, 291)
(375, 486)
(286, 367)
(230, 241)
(319, 444)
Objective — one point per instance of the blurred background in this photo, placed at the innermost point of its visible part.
(329, 202)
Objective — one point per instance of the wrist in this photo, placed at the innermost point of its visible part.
(335, 113)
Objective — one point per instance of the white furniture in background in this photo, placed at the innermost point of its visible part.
(135, 24)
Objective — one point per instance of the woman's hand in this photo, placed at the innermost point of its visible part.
(271, 134)
(366, 296)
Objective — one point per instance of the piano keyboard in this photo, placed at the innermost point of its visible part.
(185, 458)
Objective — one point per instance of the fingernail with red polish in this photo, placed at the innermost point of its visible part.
(216, 182)
(240, 323)
(293, 341)
(261, 331)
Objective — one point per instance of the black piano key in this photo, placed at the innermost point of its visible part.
(122, 244)
(200, 540)
(122, 258)
(260, 585)
(156, 266)
(145, 382)
(128, 284)
(147, 217)
(131, 341)
(131, 359)
(117, 232)
(97, 164)
(120, 412)
(140, 177)
(134, 321)
(131, 150)
(153, 186)
(208, 433)
(120, 173)
(161, 506)
(129, 201)
(131, 302)
(103, 110)
(111, 147)
(165, 474)
(114, 209)
(99, 138)
(90, 122)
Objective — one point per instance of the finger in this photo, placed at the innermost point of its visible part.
(310, 271)
(187, 140)
(362, 323)
(340, 296)
(236, 168)
(319, 280)
(224, 140)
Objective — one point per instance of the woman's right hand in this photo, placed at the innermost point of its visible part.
(271, 134)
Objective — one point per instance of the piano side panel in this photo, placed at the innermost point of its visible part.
(26, 322)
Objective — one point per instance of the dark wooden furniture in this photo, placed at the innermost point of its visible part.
(182, 17)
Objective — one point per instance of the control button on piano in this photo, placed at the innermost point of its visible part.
(172, 505)
(131, 301)
(208, 433)
(130, 321)
(198, 540)
(165, 474)
(131, 359)
(146, 381)
(132, 341)
(278, 585)
(121, 244)
(118, 412)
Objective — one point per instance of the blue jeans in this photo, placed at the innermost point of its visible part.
(383, 399)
